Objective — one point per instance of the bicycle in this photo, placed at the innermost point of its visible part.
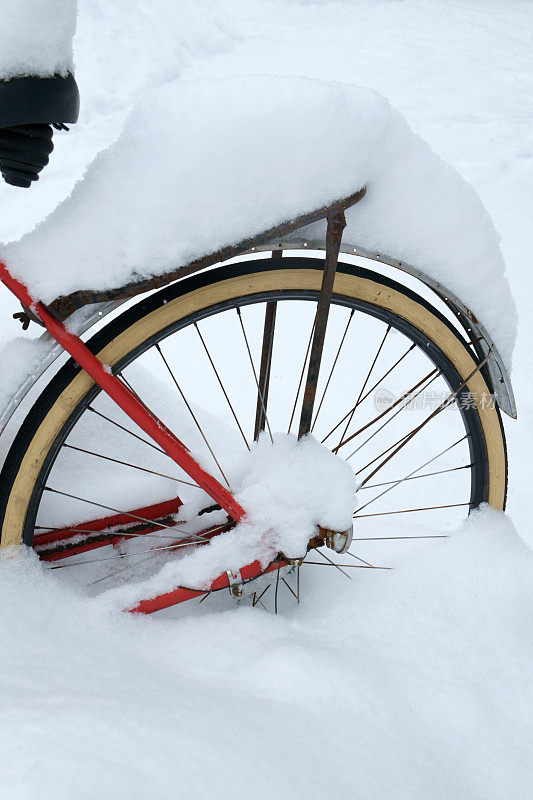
(74, 417)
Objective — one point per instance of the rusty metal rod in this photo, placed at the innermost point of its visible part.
(63, 306)
(264, 369)
(336, 225)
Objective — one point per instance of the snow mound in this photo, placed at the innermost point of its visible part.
(287, 487)
(203, 164)
(36, 37)
(413, 683)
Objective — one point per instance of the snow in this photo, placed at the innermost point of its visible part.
(36, 37)
(186, 178)
(288, 488)
(20, 358)
(408, 684)
(413, 683)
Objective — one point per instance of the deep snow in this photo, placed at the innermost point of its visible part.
(408, 684)
(412, 684)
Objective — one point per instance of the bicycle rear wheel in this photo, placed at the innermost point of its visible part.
(195, 353)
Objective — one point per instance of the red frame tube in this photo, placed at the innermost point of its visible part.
(181, 594)
(48, 545)
(124, 398)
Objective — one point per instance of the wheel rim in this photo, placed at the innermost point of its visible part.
(371, 459)
(344, 309)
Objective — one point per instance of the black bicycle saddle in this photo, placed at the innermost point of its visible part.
(29, 107)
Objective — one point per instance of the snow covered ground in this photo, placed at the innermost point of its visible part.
(414, 684)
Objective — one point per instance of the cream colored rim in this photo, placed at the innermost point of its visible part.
(350, 286)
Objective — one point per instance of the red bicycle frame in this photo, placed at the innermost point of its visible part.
(150, 424)
(103, 531)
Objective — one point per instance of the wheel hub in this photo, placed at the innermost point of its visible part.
(339, 541)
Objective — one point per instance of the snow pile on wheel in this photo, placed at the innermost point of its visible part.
(287, 487)
(206, 163)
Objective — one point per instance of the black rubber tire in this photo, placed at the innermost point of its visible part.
(252, 272)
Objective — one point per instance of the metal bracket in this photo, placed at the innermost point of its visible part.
(26, 316)
(336, 225)
(235, 582)
(62, 307)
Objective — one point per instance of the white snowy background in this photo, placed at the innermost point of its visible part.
(415, 684)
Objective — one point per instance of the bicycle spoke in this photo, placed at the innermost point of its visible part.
(451, 397)
(358, 558)
(333, 368)
(416, 477)
(376, 458)
(193, 415)
(383, 452)
(385, 374)
(390, 419)
(260, 395)
(401, 480)
(302, 374)
(128, 555)
(277, 586)
(127, 430)
(124, 569)
(221, 385)
(409, 511)
(126, 535)
(116, 511)
(264, 369)
(154, 554)
(130, 387)
(363, 398)
(320, 553)
(369, 373)
(75, 530)
(395, 538)
(291, 590)
(409, 396)
(122, 534)
(258, 597)
(343, 566)
(127, 464)
(261, 604)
